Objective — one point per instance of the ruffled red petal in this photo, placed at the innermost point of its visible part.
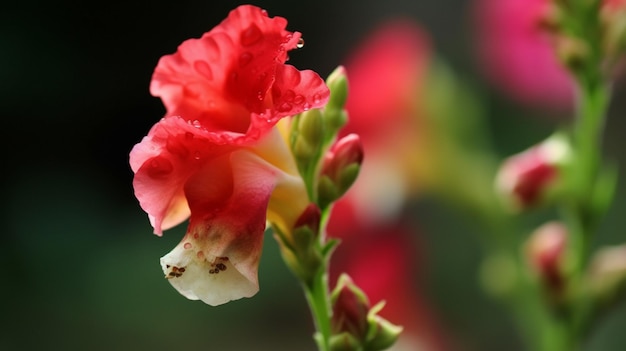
(234, 76)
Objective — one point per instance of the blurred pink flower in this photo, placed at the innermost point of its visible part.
(515, 53)
(216, 156)
(381, 254)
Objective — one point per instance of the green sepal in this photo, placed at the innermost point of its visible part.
(381, 334)
(345, 342)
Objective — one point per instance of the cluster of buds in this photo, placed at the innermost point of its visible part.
(535, 176)
(329, 166)
(547, 255)
(355, 324)
(576, 42)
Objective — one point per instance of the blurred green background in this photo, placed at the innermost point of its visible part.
(81, 264)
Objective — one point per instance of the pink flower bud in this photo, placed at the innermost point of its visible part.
(526, 179)
(607, 272)
(346, 151)
(310, 218)
(350, 309)
(340, 169)
(545, 251)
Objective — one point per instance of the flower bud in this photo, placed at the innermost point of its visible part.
(335, 116)
(545, 251)
(572, 52)
(299, 249)
(607, 272)
(340, 169)
(613, 20)
(307, 137)
(529, 178)
(355, 323)
(350, 309)
(337, 82)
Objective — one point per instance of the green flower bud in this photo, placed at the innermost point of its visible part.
(300, 249)
(606, 278)
(355, 325)
(337, 83)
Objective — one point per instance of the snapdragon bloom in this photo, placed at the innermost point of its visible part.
(217, 157)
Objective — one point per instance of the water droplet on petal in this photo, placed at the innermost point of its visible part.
(196, 123)
(245, 58)
(200, 255)
(159, 167)
(300, 44)
(298, 100)
(284, 107)
(187, 246)
(264, 12)
(316, 99)
(260, 95)
(306, 106)
(196, 155)
(203, 69)
(251, 35)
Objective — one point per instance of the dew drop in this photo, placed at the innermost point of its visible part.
(196, 155)
(204, 69)
(298, 100)
(159, 166)
(245, 58)
(196, 123)
(187, 246)
(300, 44)
(251, 35)
(200, 255)
(317, 99)
(196, 235)
(284, 107)
(260, 96)
(264, 12)
(306, 106)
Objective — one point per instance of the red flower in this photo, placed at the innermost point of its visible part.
(234, 80)
(216, 156)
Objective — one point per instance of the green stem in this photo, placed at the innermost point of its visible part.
(317, 295)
